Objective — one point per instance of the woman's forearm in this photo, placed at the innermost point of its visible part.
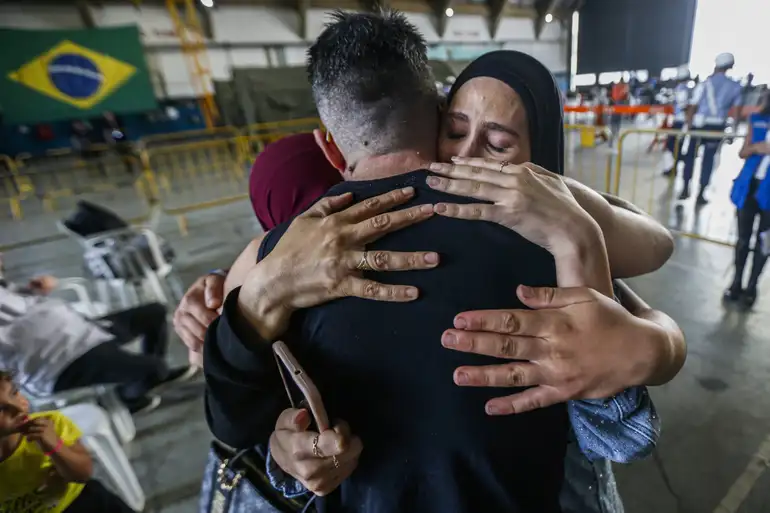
(636, 243)
(668, 347)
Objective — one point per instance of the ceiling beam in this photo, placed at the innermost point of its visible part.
(86, 16)
(302, 8)
(496, 12)
(439, 9)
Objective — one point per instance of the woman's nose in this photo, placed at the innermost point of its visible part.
(467, 148)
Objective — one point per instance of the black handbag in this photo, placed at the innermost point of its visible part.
(237, 482)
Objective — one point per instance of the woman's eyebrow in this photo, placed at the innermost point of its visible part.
(490, 125)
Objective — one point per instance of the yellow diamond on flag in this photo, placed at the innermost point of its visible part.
(74, 74)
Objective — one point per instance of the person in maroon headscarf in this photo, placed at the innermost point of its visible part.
(287, 177)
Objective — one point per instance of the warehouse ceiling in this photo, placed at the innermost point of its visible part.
(493, 10)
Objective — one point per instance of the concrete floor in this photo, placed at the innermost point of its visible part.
(716, 413)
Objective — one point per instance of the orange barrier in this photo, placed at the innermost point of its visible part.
(622, 109)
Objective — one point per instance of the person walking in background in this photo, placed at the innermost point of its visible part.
(620, 96)
(43, 465)
(709, 108)
(751, 194)
(681, 101)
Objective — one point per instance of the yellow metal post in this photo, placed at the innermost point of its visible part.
(187, 25)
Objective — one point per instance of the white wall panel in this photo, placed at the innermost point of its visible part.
(154, 22)
(255, 25)
(37, 16)
(467, 28)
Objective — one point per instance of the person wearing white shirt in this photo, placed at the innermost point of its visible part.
(709, 108)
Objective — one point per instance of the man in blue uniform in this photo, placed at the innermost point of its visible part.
(681, 102)
(709, 108)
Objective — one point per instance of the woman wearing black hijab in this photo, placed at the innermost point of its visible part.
(504, 122)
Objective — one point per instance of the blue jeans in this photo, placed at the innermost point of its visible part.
(710, 147)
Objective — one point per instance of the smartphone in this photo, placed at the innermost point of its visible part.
(312, 397)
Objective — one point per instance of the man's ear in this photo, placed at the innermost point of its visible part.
(330, 150)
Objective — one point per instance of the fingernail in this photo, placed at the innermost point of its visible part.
(449, 340)
(431, 258)
(526, 291)
(460, 323)
(407, 190)
(441, 208)
(411, 292)
(462, 378)
(433, 181)
(455, 159)
(492, 409)
(426, 209)
(435, 166)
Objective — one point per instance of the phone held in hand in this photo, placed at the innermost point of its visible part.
(288, 364)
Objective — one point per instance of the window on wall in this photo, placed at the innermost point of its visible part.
(585, 80)
(610, 77)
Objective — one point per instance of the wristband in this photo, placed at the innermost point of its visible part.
(219, 272)
(56, 449)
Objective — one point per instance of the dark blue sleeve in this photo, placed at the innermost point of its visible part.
(244, 392)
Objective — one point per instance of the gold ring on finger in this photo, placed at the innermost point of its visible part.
(363, 264)
(316, 452)
(336, 462)
(503, 165)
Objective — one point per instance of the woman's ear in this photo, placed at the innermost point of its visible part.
(330, 150)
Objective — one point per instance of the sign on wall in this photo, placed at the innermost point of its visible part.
(72, 74)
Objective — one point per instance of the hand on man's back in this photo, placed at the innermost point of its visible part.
(197, 310)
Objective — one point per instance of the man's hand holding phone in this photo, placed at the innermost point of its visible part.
(320, 461)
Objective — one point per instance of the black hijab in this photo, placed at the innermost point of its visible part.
(539, 93)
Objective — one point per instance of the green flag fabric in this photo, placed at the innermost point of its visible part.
(51, 75)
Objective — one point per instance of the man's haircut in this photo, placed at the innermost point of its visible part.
(372, 83)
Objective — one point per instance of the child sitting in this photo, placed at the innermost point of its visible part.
(43, 465)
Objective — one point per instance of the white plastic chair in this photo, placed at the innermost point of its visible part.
(105, 395)
(100, 441)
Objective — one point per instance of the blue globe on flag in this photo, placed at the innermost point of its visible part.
(75, 75)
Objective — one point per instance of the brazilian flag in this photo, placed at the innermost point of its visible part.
(50, 75)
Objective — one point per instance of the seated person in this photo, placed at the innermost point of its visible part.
(43, 465)
(374, 362)
(52, 348)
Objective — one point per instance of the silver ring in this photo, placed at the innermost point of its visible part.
(363, 265)
(503, 164)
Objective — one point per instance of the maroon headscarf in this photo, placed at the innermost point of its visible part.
(287, 177)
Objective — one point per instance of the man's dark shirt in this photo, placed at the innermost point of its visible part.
(429, 447)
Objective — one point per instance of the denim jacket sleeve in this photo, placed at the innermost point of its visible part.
(281, 481)
(623, 428)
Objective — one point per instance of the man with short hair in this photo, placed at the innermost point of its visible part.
(710, 105)
(428, 447)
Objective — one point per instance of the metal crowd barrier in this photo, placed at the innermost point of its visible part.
(638, 178)
(588, 157)
(11, 190)
(188, 136)
(197, 176)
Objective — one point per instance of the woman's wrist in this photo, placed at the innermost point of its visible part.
(262, 304)
(581, 257)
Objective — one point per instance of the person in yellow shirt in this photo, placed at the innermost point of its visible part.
(43, 466)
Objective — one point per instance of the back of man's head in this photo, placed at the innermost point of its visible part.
(372, 84)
